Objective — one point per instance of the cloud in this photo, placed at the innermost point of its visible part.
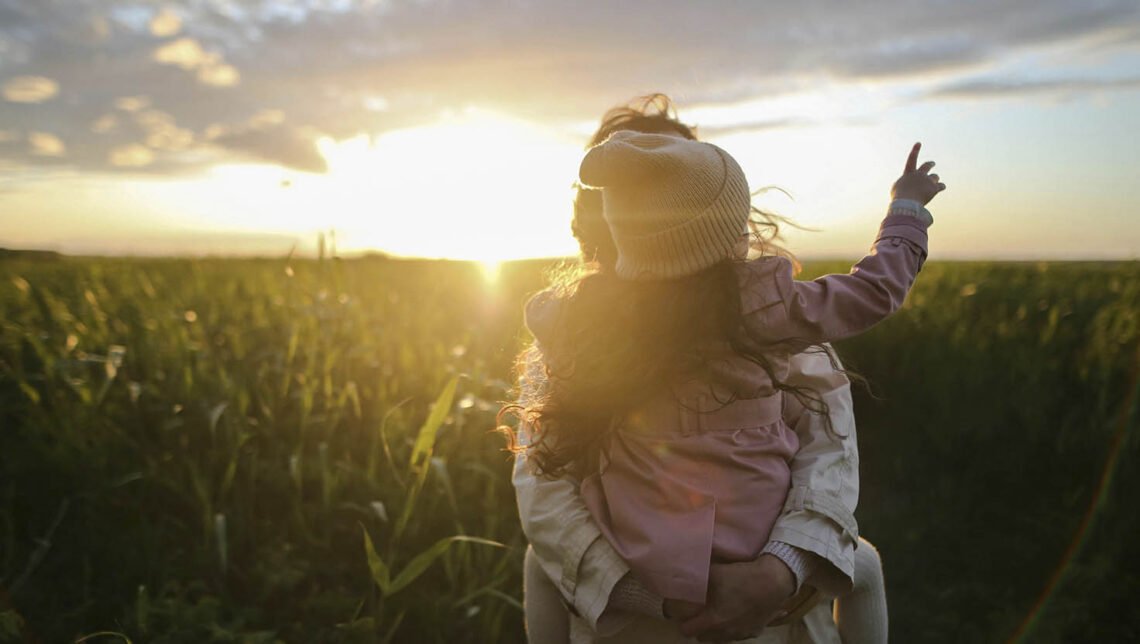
(131, 156)
(165, 23)
(44, 144)
(913, 55)
(162, 132)
(104, 124)
(337, 68)
(266, 118)
(132, 103)
(280, 144)
(189, 55)
(219, 75)
(752, 126)
(185, 53)
(30, 89)
(1003, 88)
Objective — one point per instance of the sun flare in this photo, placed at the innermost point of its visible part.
(481, 186)
(490, 270)
(475, 186)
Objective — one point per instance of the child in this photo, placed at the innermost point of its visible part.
(665, 380)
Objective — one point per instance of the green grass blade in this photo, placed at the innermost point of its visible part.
(422, 561)
(422, 450)
(425, 439)
(376, 565)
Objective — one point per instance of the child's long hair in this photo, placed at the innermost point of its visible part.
(618, 343)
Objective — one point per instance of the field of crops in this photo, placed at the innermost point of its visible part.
(285, 450)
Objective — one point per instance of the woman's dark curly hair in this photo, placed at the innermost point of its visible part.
(619, 343)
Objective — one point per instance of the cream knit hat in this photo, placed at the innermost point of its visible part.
(674, 206)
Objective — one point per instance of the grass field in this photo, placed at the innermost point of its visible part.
(283, 450)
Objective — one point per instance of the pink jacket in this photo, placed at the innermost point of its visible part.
(688, 481)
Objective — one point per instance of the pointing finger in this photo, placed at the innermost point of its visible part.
(912, 160)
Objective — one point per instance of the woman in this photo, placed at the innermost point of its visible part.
(813, 540)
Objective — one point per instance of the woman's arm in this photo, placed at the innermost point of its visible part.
(567, 543)
(819, 515)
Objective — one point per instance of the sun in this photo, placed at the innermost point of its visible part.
(475, 185)
(490, 270)
(471, 185)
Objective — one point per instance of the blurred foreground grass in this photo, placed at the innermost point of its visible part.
(283, 450)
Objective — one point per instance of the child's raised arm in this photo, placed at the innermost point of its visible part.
(834, 307)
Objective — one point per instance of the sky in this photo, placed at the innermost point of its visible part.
(454, 128)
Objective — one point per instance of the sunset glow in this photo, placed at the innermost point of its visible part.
(471, 186)
(430, 131)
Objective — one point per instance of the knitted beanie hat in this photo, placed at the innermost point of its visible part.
(674, 206)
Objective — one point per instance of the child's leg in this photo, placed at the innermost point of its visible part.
(546, 618)
(861, 615)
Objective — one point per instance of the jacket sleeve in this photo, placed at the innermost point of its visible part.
(818, 516)
(566, 541)
(833, 307)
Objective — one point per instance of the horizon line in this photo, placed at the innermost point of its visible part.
(49, 253)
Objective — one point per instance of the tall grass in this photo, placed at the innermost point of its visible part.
(219, 450)
(299, 451)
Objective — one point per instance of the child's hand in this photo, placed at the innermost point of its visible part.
(917, 183)
(681, 610)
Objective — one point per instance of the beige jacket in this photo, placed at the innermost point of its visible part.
(818, 517)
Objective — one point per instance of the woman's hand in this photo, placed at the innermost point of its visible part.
(743, 598)
(917, 183)
(681, 610)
